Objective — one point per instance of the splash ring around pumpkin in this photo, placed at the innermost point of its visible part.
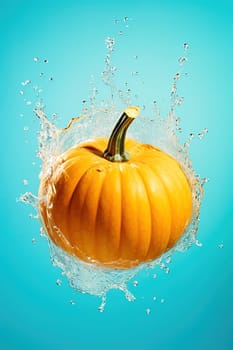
(116, 203)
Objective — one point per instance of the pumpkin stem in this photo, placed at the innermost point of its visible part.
(115, 151)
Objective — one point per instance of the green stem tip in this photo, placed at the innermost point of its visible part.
(115, 151)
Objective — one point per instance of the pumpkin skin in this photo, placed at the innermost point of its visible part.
(115, 214)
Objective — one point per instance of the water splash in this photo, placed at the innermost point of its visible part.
(97, 119)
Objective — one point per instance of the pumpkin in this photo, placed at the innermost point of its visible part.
(115, 208)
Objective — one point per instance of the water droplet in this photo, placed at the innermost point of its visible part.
(198, 244)
(72, 302)
(46, 61)
(40, 104)
(32, 216)
(35, 59)
(177, 76)
(162, 265)
(101, 308)
(25, 182)
(154, 275)
(182, 60)
(154, 298)
(28, 103)
(162, 300)
(125, 19)
(187, 143)
(34, 240)
(21, 92)
(179, 100)
(205, 180)
(135, 283)
(26, 82)
(110, 43)
(220, 245)
(168, 259)
(51, 79)
(166, 270)
(173, 91)
(148, 311)
(129, 296)
(58, 282)
(41, 74)
(21, 115)
(42, 231)
(116, 21)
(26, 128)
(136, 57)
(120, 32)
(186, 46)
(102, 305)
(200, 135)
(29, 198)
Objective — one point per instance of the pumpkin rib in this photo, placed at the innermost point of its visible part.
(113, 181)
(46, 214)
(168, 201)
(100, 233)
(75, 198)
(134, 215)
(145, 232)
(91, 204)
(80, 215)
(71, 176)
(126, 233)
(148, 200)
(121, 243)
(183, 214)
(178, 183)
(64, 180)
(163, 242)
(187, 210)
(167, 191)
(75, 170)
(121, 219)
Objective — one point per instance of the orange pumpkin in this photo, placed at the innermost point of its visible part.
(113, 208)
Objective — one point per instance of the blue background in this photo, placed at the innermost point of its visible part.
(197, 311)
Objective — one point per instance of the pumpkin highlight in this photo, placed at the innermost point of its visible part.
(116, 208)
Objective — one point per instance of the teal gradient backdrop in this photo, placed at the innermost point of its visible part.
(197, 311)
